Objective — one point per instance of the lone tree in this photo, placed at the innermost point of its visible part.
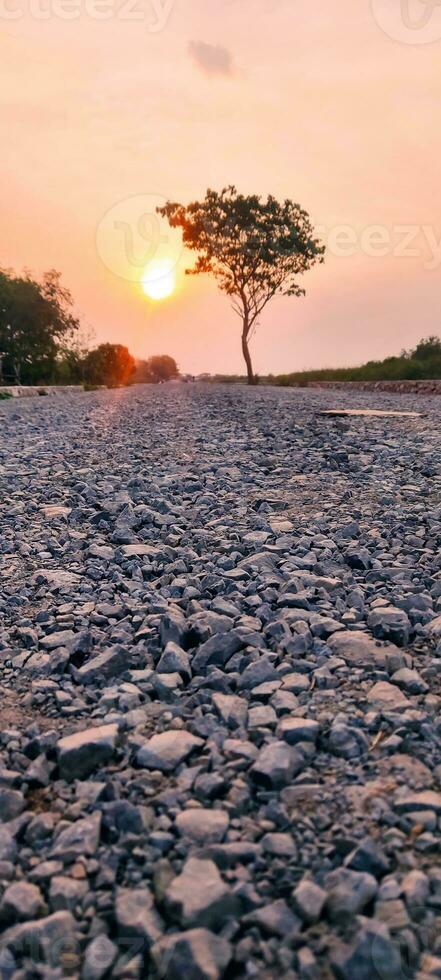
(254, 248)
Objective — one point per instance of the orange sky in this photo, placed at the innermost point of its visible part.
(134, 101)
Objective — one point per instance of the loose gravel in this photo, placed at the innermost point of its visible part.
(220, 680)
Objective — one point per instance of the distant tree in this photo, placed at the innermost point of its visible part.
(108, 364)
(428, 349)
(254, 248)
(36, 320)
(162, 367)
(158, 368)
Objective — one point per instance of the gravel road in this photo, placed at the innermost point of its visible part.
(220, 686)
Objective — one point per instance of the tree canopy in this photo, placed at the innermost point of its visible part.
(254, 248)
(108, 364)
(36, 319)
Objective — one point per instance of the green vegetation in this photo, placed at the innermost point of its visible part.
(254, 248)
(36, 326)
(108, 364)
(4, 395)
(41, 341)
(422, 362)
(159, 368)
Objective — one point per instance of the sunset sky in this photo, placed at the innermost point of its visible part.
(127, 104)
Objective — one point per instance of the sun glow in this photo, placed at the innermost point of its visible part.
(159, 279)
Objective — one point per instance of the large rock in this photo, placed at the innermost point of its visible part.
(417, 802)
(217, 651)
(49, 939)
(8, 846)
(79, 839)
(359, 649)
(196, 955)
(348, 892)
(388, 697)
(434, 626)
(294, 730)
(99, 957)
(203, 826)
(12, 803)
(309, 900)
(55, 640)
(276, 765)
(108, 663)
(199, 897)
(174, 660)
(167, 750)
(232, 710)
(21, 900)
(136, 915)
(390, 623)
(81, 753)
(371, 955)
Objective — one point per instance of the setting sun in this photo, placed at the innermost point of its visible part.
(159, 279)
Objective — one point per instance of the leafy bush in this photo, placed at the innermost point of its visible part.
(421, 363)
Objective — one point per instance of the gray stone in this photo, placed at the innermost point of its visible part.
(359, 649)
(294, 730)
(388, 697)
(416, 802)
(136, 915)
(167, 750)
(217, 651)
(390, 623)
(372, 954)
(49, 939)
(416, 887)
(199, 897)
(197, 954)
(12, 803)
(80, 754)
(203, 826)
(276, 765)
(66, 893)
(21, 900)
(174, 660)
(231, 709)
(8, 846)
(54, 640)
(348, 892)
(78, 839)
(368, 856)
(99, 958)
(275, 919)
(281, 845)
(309, 900)
(410, 681)
(109, 663)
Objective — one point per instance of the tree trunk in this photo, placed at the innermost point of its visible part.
(246, 353)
